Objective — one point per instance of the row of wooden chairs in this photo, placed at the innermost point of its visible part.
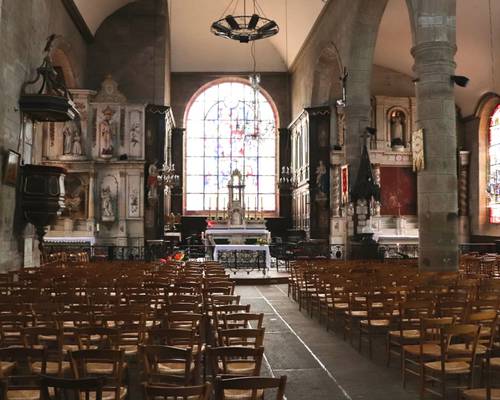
(439, 325)
(182, 324)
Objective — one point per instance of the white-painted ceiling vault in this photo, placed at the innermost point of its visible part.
(195, 48)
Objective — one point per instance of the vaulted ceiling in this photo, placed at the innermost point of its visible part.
(194, 48)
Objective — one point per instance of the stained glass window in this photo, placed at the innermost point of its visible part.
(230, 126)
(494, 167)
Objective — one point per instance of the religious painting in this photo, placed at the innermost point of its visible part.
(134, 127)
(134, 196)
(398, 191)
(417, 148)
(344, 183)
(11, 168)
(75, 197)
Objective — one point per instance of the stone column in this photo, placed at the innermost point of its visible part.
(437, 183)
(335, 190)
(376, 179)
(122, 210)
(463, 196)
(91, 204)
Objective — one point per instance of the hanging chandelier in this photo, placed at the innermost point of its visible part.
(244, 28)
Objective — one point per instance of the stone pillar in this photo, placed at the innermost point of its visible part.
(376, 180)
(463, 196)
(91, 204)
(437, 183)
(335, 190)
(122, 211)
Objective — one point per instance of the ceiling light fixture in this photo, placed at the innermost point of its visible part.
(244, 28)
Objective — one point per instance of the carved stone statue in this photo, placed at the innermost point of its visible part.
(67, 139)
(76, 148)
(106, 133)
(107, 212)
(397, 126)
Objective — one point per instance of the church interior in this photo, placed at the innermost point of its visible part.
(249, 199)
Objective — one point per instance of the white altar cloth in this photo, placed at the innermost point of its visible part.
(233, 247)
(231, 231)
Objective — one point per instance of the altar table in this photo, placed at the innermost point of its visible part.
(219, 248)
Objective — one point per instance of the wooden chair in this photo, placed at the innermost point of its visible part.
(379, 316)
(181, 338)
(242, 320)
(452, 362)
(155, 392)
(168, 364)
(69, 389)
(356, 311)
(97, 337)
(251, 388)
(11, 327)
(234, 360)
(408, 326)
(488, 392)
(52, 339)
(427, 349)
(246, 337)
(105, 363)
(22, 381)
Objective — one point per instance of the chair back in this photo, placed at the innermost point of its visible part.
(255, 385)
(156, 392)
(70, 389)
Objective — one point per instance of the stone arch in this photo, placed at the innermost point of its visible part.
(63, 57)
(405, 133)
(327, 85)
(61, 60)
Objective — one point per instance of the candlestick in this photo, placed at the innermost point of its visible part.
(217, 207)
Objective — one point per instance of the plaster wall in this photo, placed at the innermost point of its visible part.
(24, 28)
(133, 46)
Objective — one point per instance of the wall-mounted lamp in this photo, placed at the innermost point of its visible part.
(460, 80)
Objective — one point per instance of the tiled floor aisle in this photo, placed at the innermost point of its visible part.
(319, 364)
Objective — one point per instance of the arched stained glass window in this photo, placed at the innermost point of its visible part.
(494, 167)
(230, 126)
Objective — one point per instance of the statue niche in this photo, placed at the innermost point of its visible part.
(397, 129)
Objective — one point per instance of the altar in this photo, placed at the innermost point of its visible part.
(238, 255)
(239, 238)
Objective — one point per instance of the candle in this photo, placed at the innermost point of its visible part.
(217, 207)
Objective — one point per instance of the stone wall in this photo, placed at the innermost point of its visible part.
(132, 45)
(24, 28)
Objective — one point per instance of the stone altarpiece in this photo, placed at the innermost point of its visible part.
(389, 145)
(104, 154)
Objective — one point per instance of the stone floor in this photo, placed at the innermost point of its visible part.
(319, 364)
